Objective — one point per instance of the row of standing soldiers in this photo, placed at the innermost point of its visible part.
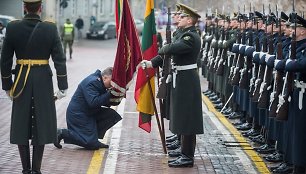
(257, 62)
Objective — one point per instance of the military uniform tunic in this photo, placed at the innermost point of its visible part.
(186, 103)
(33, 112)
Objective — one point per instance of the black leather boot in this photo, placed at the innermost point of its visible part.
(24, 152)
(38, 152)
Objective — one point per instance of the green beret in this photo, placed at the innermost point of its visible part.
(188, 11)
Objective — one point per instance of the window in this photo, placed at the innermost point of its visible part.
(101, 6)
(86, 6)
(112, 7)
(74, 7)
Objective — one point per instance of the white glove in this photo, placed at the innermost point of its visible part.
(8, 95)
(60, 94)
(146, 64)
(276, 62)
(288, 61)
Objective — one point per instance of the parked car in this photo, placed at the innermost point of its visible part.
(139, 25)
(103, 30)
(6, 19)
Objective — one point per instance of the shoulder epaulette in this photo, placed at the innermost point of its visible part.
(50, 21)
(15, 20)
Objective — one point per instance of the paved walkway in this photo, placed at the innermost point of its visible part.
(132, 150)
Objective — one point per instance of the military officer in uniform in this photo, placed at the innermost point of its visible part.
(186, 109)
(174, 141)
(31, 90)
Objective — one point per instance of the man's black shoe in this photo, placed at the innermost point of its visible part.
(219, 106)
(227, 111)
(213, 98)
(275, 157)
(173, 142)
(26, 171)
(102, 145)
(261, 147)
(260, 140)
(217, 102)
(172, 160)
(170, 136)
(251, 132)
(245, 126)
(171, 139)
(234, 116)
(211, 94)
(175, 153)
(284, 168)
(207, 92)
(239, 123)
(265, 149)
(275, 167)
(182, 161)
(174, 145)
(59, 139)
(255, 137)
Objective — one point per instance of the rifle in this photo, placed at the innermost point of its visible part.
(278, 85)
(220, 66)
(214, 45)
(244, 75)
(263, 100)
(162, 90)
(204, 46)
(256, 65)
(283, 99)
(239, 62)
(262, 67)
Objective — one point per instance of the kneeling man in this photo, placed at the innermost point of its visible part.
(89, 114)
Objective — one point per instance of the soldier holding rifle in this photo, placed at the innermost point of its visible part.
(296, 65)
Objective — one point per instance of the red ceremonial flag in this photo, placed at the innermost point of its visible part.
(128, 54)
(149, 48)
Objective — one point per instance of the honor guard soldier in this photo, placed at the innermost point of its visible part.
(174, 141)
(31, 89)
(296, 115)
(186, 109)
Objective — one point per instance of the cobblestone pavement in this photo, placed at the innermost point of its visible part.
(132, 150)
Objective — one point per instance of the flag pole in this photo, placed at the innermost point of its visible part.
(161, 133)
(160, 107)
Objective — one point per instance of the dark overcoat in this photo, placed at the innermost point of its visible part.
(86, 119)
(33, 112)
(296, 114)
(186, 103)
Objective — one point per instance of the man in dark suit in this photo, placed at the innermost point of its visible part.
(87, 121)
(186, 108)
(33, 112)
